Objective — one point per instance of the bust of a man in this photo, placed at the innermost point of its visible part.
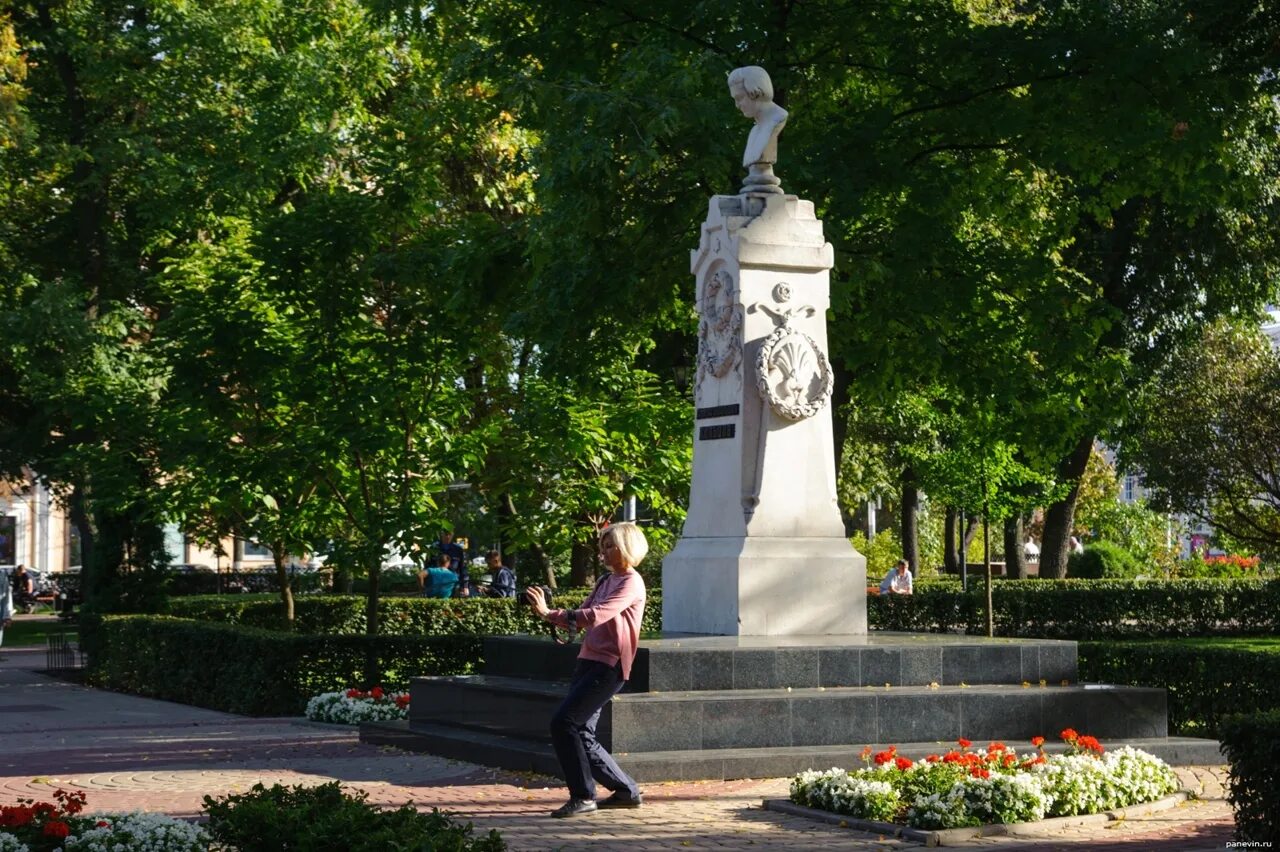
(752, 92)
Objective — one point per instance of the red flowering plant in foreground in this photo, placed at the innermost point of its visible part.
(42, 826)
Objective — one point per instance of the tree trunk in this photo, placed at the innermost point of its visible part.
(1055, 548)
(88, 552)
(951, 541)
(986, 566)
(582, 562)
(1015, 560)
(911, 520)
(372, 659)
(282, 577)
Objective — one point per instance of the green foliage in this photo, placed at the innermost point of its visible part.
(1102, 559)
(1206, 432)
(1087, 609)
(408, 616)
(1204, 684)
(1153, 538)
(1251, 743)
(241, 669)
(882, 553)
(321, 817)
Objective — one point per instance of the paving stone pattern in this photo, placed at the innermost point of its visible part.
(135, 753)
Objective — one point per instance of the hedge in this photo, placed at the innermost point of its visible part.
(1204, 685)
(1087, 609)
(252, 671)
(345, 614)
(1252, 745)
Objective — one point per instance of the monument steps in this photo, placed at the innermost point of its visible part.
(750, 731)
(525, 755)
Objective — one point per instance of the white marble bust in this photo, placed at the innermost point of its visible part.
(752, 92)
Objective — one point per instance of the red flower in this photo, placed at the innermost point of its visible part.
(376, 693)
(56, 828)
(964, 743)
(1090, 744)
(995, 747)
(354, 693)
(102, 823)
(44, 808)
(402, 701)
(903, 764)
(866, 752)
(979, 772)
(951, 757)
(883, 757)
(1037, 741)
(16, 816)
(1069, 735)
(1010, 760)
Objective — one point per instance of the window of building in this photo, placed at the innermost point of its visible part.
(8, 540)
(254, 550)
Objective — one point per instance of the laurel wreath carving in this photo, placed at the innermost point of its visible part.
(791, 352)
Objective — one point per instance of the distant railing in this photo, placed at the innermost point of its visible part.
(62, 651)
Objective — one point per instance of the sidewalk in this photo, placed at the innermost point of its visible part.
(136, 753)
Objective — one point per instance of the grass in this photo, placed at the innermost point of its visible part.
(1261, 644)
(28, 632)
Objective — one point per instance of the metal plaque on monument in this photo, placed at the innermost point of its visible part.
(763, 550)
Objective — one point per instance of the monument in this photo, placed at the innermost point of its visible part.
(763, 550)
(765, 666)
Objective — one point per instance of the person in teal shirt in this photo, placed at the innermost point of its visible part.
(438, 581)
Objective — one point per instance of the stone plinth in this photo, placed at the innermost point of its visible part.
(732, 707)
(763, 551)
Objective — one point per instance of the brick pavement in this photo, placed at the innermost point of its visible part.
(128, 752)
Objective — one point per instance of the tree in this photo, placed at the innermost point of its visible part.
(1206, 434)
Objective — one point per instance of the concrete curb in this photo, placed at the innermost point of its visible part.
(952, 836)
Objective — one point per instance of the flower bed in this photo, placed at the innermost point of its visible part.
(32, 826)
(353, 706)
(966, 787)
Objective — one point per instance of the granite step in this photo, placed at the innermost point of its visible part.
(692, 663)
(774, 718)
(523, 755)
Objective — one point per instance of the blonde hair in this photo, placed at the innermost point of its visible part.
(630, 541)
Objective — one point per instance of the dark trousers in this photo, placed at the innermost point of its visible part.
(573, 732)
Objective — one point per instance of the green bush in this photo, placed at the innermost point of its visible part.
(1087, 609)
(345, 614)
(1204, 684)
(324, 817)
(1103, 560)
(247, 670)
(1252, 746)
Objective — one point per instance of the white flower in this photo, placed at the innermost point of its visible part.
(140, 832)
(338, 707)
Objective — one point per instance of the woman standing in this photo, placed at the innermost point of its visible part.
(611, 616)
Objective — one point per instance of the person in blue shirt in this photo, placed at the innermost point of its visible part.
(438, 581)
(503, 584)
(446, 546)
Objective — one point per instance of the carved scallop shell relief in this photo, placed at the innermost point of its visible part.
(720, 327)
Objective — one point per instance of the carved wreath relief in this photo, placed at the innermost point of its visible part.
(792, 372)
(720, 327)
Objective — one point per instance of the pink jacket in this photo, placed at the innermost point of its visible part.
(611, 616)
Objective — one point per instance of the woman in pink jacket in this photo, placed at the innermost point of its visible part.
(611, 616)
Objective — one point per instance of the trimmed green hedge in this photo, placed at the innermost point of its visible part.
(1252, 745)
(1088, 609)
(1204, 685)
(413, 616)
(252, 671)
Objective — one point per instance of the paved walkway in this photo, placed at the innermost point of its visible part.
(127, 752)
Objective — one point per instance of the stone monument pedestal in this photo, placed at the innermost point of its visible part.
(763, 550)
(722, 707)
